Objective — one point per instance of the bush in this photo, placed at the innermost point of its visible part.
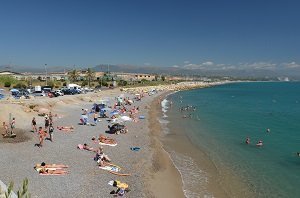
(64, 84)
(122, 83)
(51, 84)
(7, 84)
(84, 83)
(20, 86)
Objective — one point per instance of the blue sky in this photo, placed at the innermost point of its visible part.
(159, 33)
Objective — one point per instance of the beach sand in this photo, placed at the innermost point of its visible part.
(152, 172)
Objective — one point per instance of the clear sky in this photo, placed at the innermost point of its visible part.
(140, 32)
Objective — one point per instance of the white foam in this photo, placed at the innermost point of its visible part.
(192, 176)
(164, 105)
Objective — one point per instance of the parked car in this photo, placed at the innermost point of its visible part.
(59, 92)
(53, 94)
(77, 91)
(38, 93)
(1, 96)
(68, 91)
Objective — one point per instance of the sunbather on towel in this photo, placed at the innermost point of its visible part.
(65, 128)
(43, 169)
(54, 172)
(106, 140)
(85, 147)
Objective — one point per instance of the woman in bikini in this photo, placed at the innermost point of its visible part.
(43, 169)
(33, 124)
(106, 140)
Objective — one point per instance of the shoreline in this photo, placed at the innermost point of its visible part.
(179, 143)
(164, 179)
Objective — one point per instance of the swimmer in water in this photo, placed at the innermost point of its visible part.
(298, 154)
(260, 143)
(247, 140)
(268, 130)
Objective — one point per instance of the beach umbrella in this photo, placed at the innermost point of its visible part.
(126, 118)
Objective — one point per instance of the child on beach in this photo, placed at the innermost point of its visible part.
(13, 125)
(95, 118)
(42, 135)
(33, 124)
(5, 127)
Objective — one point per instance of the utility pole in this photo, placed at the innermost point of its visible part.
(46, 74)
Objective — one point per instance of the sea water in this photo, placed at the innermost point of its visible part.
(218, 126)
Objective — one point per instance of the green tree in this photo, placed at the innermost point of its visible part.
(73, 75)
(163, 78)
(90, 74)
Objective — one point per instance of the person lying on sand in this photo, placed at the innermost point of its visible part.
(85, 147)
(43, 169)
(106, 140)
(65, 128)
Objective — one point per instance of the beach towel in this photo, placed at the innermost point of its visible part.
(110, 168)
(135, 148)
(105, 144)
(52, 174)
(57, 166)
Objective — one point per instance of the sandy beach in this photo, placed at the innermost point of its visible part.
(152, 173)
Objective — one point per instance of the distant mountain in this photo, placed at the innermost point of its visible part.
(293, 73)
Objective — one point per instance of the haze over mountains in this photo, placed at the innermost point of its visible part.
(255, 70)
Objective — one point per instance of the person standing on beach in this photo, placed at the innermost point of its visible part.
(51, 130)
(47, 122)
(95, 118)
(13, 125)
(33, 124)
(42, 135)
(50, 118)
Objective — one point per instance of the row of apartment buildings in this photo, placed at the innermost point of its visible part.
(63, 76)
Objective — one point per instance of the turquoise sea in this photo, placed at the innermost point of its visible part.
(224, 116)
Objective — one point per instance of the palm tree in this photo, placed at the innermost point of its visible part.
(73, 75)
(90, 74)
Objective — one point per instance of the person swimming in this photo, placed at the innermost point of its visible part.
(268, 130)
(247, 140)
(259, 143)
